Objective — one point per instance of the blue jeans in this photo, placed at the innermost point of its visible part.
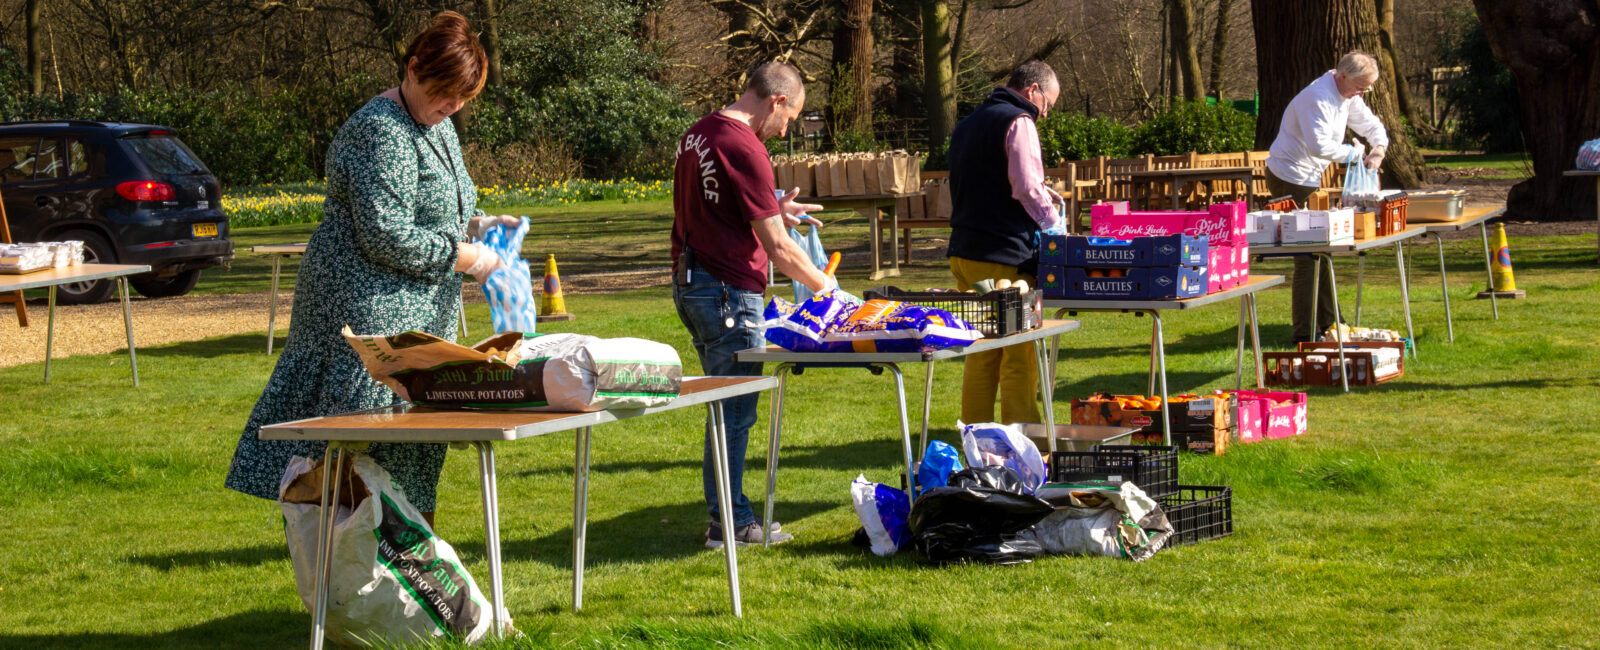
(722, 320)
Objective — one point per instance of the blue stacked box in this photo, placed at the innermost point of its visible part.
(1157, 267)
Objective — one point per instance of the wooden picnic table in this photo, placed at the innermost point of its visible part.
(1147, 183)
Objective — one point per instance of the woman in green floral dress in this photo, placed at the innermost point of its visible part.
(386, 259)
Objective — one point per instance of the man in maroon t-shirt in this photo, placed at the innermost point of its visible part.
(727, 221)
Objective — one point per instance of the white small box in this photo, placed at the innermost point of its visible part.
(1319, 227)
(1261, 227)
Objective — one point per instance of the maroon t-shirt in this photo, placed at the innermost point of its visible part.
(722, 182)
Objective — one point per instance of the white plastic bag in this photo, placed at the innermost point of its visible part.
(1359, 182)
(810, 244)
(1124, 523)
(393, 579)
(991, 444)
(883, 512)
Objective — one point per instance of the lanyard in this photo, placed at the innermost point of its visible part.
(448, 162)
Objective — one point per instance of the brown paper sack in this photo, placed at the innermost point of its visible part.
(822, 170)
(910, 170)
(930, 201)
(919, 209)
(783, 172)
(803, 177)
(855, 175)
(869, 167)
(888, 182)
(902, 207)
(946, 205)
(838, 176)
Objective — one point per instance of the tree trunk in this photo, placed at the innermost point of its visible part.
(938, 71)
(850, 92)
(1389, 59)
(1296, 42)
(35, 48)
(905, 41)
(491, 41)
(1219, 49)
(1184, 56)
(1553, 51)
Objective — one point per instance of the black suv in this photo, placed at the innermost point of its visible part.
(133, 193)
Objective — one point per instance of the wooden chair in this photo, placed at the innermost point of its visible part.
(1115, 183)
(14, 297)
(1258, 166)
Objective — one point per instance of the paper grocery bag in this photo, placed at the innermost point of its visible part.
(802, 176)
(946, 204)
(783, 172)
(838, 177)
(855, 174)
(888, 181)
(919, 208)
(822, 170)
(930, 201)
(907, 170)
(869, 167)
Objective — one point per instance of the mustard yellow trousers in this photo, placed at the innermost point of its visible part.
(1011, 371)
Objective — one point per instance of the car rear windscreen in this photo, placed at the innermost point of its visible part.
(167, 156)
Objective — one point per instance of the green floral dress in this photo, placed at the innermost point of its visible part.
(381, 262)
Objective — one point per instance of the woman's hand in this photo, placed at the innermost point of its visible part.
(479, 226)
(794, 213)
(477, 260)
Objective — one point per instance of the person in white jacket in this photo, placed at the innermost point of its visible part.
(1310, 138)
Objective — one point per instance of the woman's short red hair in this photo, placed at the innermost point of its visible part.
(449, 60)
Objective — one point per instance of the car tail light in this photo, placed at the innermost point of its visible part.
(145, 191)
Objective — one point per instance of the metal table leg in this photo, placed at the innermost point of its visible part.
(491, 533)
(1255, 339)
(927, 409)
(894, 236)
(580, 513)
(1361, 282)
(272, 312)
(1444, 280)
(1488, 265)
(1405, 295)
(127, 325)
(332, 471)
(1316, 290)
(49, 332)
(730, 549)
(1151, 389)
(774, 430)
(905, 424)
(1333, 286)
(1161, 352)
(1047, 392)
(1238, 354)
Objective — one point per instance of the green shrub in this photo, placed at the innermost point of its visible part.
(1072, 136)
(1197, 127)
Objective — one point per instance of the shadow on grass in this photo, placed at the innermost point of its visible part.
(218, 347)
(645, 534)
(256, 629)
(247, 556)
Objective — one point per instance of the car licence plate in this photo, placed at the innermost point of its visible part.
(204, 229)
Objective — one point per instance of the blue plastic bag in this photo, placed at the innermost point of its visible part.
(1589, 155)
(938, 463)
(884, 512)
(509, 289)
(811, 244)
(1358, 180)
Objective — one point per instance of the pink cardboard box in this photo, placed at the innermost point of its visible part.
(1229, 266)
(1221, 225)
(1252, 418)
(1283, 421)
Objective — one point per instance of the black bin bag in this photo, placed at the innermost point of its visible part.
(976, 518)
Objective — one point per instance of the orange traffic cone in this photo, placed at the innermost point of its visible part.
(1505, 285)
(554, 306)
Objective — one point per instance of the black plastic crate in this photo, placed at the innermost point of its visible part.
(1153, 468)
(1001, 312)
(1198, 513)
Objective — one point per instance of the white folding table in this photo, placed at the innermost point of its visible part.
(1324, 253)
(789, 362)
(1472, 217)
(483, 428)
(1246, 293)
(54, 277)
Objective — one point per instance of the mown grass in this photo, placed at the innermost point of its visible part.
(1501, 165)
(1450, 507)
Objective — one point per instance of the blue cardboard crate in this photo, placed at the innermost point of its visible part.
(1140, 283)
(1161, 250)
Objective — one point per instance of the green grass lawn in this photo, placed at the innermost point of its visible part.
(1501, 165)
(1451, 507)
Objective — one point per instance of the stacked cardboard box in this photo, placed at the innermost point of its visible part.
(1203, 424)
(1222, 225)
(1165, 266)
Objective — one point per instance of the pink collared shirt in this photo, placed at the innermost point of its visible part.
(1025, 167)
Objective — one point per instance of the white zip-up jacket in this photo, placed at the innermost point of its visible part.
(1311, 135)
